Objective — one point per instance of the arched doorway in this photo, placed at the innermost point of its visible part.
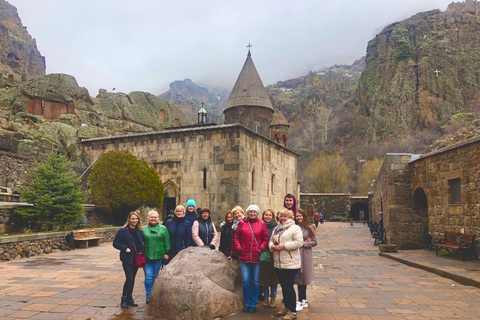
(170, 198)
(420, 215)
(359, 211)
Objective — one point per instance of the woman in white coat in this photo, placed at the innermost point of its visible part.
(285, 242)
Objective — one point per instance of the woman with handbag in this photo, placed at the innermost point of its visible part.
(268, 277)
(157, 244)
(129, 240)
(251, 238)
(305, 274)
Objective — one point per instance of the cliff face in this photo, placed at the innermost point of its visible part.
(18, 51)
(419, 73)
(189, 97)
(53, 112)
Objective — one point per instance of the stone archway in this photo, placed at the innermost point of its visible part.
(359, 211)
(170, 198)
(420, 215)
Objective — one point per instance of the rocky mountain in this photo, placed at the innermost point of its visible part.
(19, 55)
(53, 112)
(421, 75)
(190, 96)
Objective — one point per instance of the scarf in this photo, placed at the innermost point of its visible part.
(235, 223)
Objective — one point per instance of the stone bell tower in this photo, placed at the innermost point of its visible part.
(248, 103)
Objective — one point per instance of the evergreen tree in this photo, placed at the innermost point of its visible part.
(120, 183)
(55, 195)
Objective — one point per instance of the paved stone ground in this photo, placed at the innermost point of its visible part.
(351, 282)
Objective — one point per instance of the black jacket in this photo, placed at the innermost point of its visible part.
(124, 240)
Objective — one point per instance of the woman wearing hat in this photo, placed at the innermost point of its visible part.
(204, 232)
(251, 239)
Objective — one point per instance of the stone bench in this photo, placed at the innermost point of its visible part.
(85, 238)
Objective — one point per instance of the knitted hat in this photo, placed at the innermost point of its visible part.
(253, 207)
(190, 202)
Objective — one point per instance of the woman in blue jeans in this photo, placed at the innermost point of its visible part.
(129, 240)
(251, 238)
(157, 244)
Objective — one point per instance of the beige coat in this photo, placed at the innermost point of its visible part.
(305, 274)
(291, 236)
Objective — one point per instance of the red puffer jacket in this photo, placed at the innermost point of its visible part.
(245, 243)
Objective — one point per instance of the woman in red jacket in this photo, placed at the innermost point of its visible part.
(251, 238)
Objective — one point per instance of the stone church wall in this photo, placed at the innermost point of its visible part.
(334, 206)
(432, 173)
(227, 155)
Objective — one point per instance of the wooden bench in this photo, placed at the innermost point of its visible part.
(463, 242)
(7, 195)
(379, 236)
(85, 238)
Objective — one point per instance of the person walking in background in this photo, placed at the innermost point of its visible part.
(168, 217)
(305, 274)
(285, 242)
(191, 214)
(226, 234)
(290, 202)
(316, 219)
(204, 232)
(321, 218)
(157, 244)
(268, 276)
(251, 238)
(180, 231)
(129, 240)
(238, 215)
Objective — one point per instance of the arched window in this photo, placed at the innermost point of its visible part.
(253, 179)
(204, 178)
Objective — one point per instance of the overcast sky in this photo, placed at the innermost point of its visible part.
(146, 44)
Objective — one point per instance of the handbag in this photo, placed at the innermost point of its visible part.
(139, 259)
(266, 256)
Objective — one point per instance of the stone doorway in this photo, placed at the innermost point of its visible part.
(170, 198)
(420, 216)
(359, 211)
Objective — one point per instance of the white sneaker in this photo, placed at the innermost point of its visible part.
(304, 303)
(299, 306)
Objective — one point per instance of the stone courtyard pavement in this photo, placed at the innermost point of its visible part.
(351, 281)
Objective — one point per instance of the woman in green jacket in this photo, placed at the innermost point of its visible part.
(157, 244)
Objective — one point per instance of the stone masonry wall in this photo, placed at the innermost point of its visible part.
(333, 206)
(14, 169)
(392, 195)
(230, 156)
(17, 247)
(432, 173)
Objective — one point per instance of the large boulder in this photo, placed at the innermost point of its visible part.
(198, 283)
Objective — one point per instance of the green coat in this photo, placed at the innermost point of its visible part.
(157, 241)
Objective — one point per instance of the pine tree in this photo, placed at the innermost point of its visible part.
(55, 195)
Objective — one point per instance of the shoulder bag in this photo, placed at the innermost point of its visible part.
(139, 260)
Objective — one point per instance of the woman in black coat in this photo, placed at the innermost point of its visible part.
(129, 240)
(227, 234)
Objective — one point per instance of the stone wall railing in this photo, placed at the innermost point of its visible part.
(24, 246)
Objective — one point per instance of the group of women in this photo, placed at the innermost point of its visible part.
(160, 243)
(270, 250)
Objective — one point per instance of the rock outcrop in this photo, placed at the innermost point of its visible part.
(419, 73)
(198, 283)
(19, 55)
(53, 112)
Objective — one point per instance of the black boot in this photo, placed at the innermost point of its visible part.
(130, 302)
(124, 302)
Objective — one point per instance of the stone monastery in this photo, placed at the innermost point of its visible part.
(243, 161)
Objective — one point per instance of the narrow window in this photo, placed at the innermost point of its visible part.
(454, 191)
(204, 178)
(253, 179)
(272, 183)
(256, 127)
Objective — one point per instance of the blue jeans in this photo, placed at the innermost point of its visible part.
(273, 291)
(152, 268)
(250, 283)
